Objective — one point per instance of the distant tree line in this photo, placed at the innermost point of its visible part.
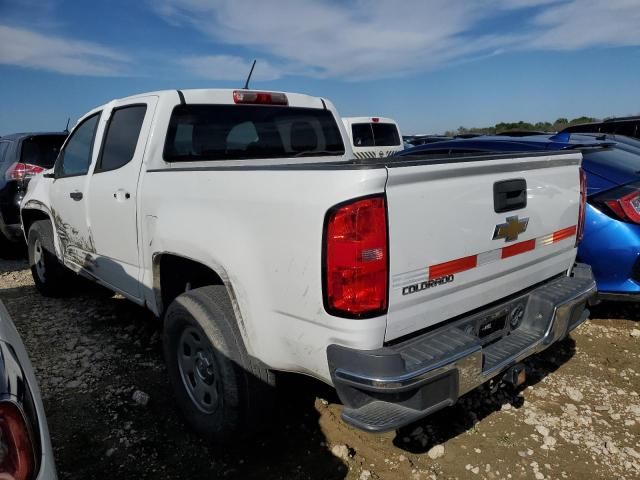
(556, 126)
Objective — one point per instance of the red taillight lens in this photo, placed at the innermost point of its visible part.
(621, 203)
(17, 461)
(20, 171)
(355, 283)
(259, 98)
(626, 207)
(583, 207)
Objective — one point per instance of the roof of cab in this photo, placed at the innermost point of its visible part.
(223, 96)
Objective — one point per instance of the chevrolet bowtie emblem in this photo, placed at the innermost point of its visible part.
(511, 229)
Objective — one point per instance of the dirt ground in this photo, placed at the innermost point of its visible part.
(578, 416)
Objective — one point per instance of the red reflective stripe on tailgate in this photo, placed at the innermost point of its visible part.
(467, 263)
(454, 266)
(518, 248)
(564, 233)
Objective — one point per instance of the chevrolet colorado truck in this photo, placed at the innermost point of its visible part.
(242, 219)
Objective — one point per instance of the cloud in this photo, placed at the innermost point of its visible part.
(354, 40)
(515, 4)
(588, 23)
(24, 48)
(362, 39)
(229, 67)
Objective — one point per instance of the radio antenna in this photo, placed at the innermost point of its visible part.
(66, 129)
(246, 84)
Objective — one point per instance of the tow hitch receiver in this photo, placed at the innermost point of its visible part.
(515, 376)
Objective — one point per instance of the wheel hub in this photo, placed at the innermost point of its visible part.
(204, 368)
(38, 259)
(198, 369)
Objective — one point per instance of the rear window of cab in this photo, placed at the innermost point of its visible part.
(234, 132)
(375, 135)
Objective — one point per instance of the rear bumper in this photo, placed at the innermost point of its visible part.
(612, 248)
(393, 386)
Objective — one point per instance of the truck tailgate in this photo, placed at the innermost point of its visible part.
(450, 252)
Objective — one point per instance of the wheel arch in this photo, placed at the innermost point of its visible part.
(174, 274)
(34, 211)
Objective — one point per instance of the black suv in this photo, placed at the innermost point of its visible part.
(22, 155)
(628, 126)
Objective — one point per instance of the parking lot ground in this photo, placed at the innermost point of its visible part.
(577, 417)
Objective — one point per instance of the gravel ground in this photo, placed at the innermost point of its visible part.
(111, 414)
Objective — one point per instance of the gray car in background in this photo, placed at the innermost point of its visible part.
(25, 447)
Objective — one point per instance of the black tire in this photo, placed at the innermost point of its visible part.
(50, 276)
(240, 389)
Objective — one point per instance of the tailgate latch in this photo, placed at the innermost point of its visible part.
(509, 195)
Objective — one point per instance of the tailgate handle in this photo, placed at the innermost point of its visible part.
(509, 195)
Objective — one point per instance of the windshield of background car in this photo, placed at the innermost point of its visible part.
(232, 132)
(41, 150)
(375, 134)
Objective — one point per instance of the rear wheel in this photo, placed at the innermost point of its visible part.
(49, 275)
(221, 391)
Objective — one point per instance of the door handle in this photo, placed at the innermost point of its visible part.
(77, 196)
(121, 195)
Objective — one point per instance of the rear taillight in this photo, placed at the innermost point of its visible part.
(259, 98)
(622, 203)
(626, 207)
(20, 171)
(583, 207)
(356, 258)
(17, 458)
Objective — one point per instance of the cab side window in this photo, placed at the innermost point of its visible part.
(121, 137)
(76, 157)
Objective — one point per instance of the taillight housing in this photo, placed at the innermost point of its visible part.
(20, 171)
(17, 456)
(583, 207)
(622, 203)
(626, 207)
(356, 258)
(259, 98)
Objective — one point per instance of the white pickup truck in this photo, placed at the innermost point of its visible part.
(242, 219)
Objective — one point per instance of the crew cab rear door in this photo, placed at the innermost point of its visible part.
(466, 233)
(112, 193)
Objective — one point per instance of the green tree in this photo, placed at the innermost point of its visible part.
(545, 126)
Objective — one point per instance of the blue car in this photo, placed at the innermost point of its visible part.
(611, 163)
